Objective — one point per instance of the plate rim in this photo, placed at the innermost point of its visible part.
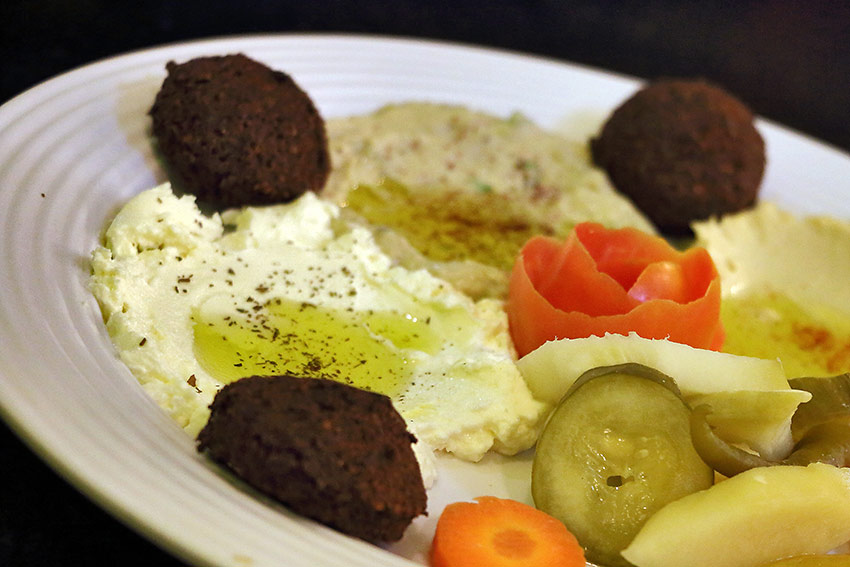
(17, 419)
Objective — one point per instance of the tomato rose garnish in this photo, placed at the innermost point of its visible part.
(613, 281)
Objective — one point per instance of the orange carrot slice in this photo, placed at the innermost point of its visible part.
(496, 532)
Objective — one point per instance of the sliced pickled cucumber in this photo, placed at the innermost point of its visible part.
(755, 419)
(820, 426)
(725, 458)
(830, 401)
(616, 449)
(827, 443)
(824, 443)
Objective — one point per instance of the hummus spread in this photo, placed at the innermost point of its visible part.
(458, 192)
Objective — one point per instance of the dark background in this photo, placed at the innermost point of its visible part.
(790, 61)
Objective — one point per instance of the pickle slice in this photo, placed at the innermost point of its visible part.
(725, 458)
(827, 443)
(616, 449)
(830, 401)
(821, 429)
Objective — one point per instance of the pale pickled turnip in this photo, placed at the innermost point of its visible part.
(758, 516)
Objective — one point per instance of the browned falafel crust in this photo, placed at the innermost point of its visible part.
(236, 132)
(682, 150)
(327, 450)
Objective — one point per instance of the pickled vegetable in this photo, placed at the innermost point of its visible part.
(616, 450)
(830, 401)
(827, 443)
(723, 457)
(551, 369)
(758, 516)
(758, 420)
(821, 428)
(812, 561)
(752, 401)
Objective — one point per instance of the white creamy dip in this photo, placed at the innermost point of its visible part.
(193, 301)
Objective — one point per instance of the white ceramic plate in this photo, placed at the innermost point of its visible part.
(75, 148)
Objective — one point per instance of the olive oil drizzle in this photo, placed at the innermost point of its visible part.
(375, 350)
(447, 225)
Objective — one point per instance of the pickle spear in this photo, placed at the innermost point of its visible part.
(615, 450)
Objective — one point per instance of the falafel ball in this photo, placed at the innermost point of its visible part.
(236, 132)
(682, 150)
(327, 450)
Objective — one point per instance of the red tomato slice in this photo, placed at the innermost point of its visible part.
(661, 280)
(613, 281)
